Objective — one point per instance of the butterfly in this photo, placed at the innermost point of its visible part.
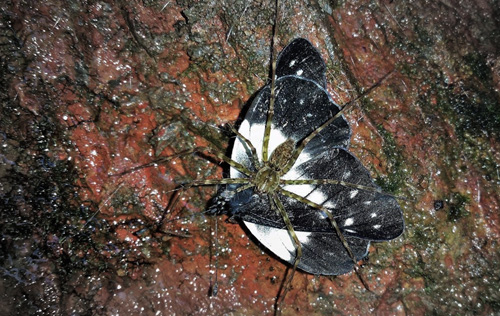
(294, 184)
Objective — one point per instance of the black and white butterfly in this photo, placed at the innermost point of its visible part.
(310, 174)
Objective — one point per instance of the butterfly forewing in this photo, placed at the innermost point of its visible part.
(301, 59)
(301, 106)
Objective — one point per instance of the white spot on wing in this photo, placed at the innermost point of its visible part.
(330, 205)
(349, 221)
(292, 174)
(299, 72)
(377, 226)
(292, 63)
(353, 193)
(308, 191)
(373, 215)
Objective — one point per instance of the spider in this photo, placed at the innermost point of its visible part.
(293, 183)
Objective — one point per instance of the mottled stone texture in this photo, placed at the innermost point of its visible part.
(93, 89)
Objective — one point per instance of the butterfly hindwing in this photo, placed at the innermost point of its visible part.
(322, 253)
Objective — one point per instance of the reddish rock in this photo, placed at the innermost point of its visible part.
(95, 93)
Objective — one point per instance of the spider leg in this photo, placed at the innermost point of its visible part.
(198, 183)
(343, 183)
(298, 248)
(326, 211)
(270, 112)
(202, 149)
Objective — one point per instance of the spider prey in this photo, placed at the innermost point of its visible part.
(294, 184)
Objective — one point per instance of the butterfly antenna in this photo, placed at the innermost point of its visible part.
(270, 113)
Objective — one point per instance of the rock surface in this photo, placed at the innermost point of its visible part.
(92, 90)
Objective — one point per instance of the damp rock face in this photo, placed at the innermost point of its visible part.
(93, 90)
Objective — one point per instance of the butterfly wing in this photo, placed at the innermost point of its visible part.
(300, 58)
(322, 253)
(361, 213)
